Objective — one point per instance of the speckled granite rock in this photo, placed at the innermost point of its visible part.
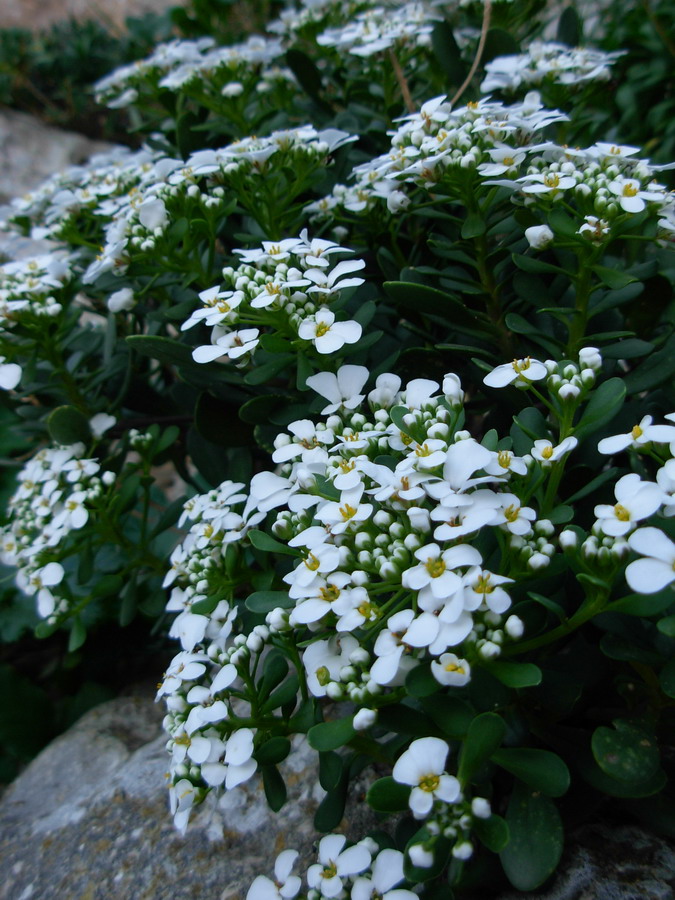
(603, 862)
(32, 151)
(88, 819)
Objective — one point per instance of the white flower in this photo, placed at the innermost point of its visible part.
(539, 236)
(232, 344)
(335, 864)
(636, 500)
(10, 375)
(121, 300)
(642, 433)
(387, 872)
(656, 570)
(284, 887)
(631, 196)
(423, 767)
(342, 390)
(327, 335)
(100, 423)
(520, 371)
(546, 454)
(451, 670)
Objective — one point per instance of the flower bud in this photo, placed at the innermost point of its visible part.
(539, 236)
(364, 719)
(480, 807)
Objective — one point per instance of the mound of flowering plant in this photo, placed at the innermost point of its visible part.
(409, 352)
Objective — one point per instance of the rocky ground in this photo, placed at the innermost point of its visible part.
(38, 14)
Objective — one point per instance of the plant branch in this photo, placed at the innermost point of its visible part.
(487, 12)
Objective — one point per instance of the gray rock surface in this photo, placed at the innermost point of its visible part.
(32, 151)
(38, 14)
(88, 819)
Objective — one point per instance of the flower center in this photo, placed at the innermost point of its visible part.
(508, 161)
(636, 432)
(322, 676)
(435, 567)
(504, 458)
(329, 871)
(511, 513)
(547, 452)
(430, 783)
(622, 514)
(453, 667)
(483, 585)
(405, 438)
(330, 593)
(629, 190)
(423, 450)
(322, 329)
(312, 563)
(521, 365)
(347, 511)
(551, 181)
(367, 610)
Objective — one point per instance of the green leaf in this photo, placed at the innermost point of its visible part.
(451, 715)
(535, 838)
(483, 738)
(332, 808)
(473, 226)
(493, 833)
(163, 349)
(570, 27)
(258, 410)
(268, 544)
(275, 788)
(592, 486)
(515, 674)
(667, 678)
(627, 349)
(266, 601)
(273, 751)
(625, 752)
(68, 425)
(498, 43)
(305, 70)
(644, 604)
(275, 669)
(404, 719)
(603, 406)
(420, 682)
(330, 770)
(285, 694)
(441, 850)
(657, 368)
(388, 796)
(447, 52)
(331, 735)
(667, 626)
(541, 769)
(78, 635)
(613, 278)
(431, 301)
(532, 264)
(268, 371)
(563, 224)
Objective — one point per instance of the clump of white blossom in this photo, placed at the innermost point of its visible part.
(56, 491)
(381, 28)
(289, 285)
(547, 61)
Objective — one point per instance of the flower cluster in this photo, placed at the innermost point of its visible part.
(56, 490)
(200, 69)
(361, 871)
(172, 189)
(548, 61)
(441, 145)
(96, 191)
(288, 285)
(379, 28)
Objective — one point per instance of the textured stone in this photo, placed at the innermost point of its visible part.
(32, 151)
(38, 14)
(88, 819)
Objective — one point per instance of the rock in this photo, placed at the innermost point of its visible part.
(88, 819)
(40, 14)
(603, 862)
(32, 151)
